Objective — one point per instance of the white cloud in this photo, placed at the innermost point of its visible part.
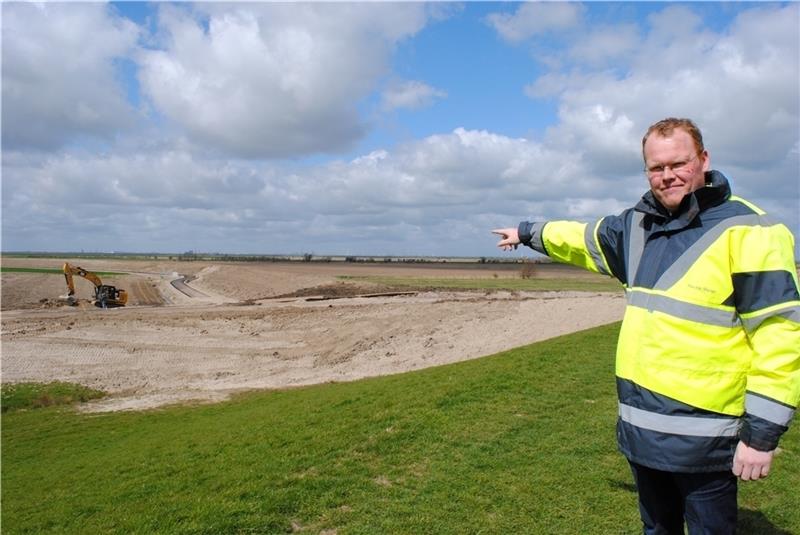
(599, 46)
(273, 80)
(410, 94)
(59, 77)
(265, 80)
(741, 87)
(535, 18)
(422, 188)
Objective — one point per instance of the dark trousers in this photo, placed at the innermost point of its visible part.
(705, 501)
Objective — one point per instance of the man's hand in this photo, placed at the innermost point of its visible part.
(510, 238)
(750, 463)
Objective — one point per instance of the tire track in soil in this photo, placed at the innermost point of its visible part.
(143, 292)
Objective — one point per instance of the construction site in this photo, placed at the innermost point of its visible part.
(201, 331)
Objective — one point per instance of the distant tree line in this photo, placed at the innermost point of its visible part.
(192, 256)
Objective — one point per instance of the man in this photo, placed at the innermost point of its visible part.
(708, 357)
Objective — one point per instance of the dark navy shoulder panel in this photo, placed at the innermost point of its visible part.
(664, 244)
(613, 236)
(733, 207)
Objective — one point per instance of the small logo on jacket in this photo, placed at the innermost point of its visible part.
(701, 289)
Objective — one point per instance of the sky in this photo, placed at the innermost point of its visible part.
(404, 129)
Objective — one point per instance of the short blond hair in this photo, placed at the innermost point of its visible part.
(665, 127)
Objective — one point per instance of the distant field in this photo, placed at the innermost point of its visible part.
(298, 258)
(29, 270)
(519, 442)
(49, 271)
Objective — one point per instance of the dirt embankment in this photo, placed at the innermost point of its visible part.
(167, 347)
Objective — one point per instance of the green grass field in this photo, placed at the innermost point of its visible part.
(519, 442)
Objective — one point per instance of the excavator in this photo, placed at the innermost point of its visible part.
(104, 295)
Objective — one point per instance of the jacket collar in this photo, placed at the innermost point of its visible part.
(716, 191)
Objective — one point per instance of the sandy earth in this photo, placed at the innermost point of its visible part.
(253, 326)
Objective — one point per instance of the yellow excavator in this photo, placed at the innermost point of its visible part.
(104, 295)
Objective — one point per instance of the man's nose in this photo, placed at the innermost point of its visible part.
(668, 173)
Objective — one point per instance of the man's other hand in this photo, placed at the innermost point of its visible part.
(750, 463)
(510, 238)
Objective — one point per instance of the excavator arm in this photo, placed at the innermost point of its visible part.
(70, 270)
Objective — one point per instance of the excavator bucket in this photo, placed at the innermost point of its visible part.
(69, 299)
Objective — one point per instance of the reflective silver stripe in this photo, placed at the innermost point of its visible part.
(537, 243)
(679, 309)
(772, 411)
(679, 425)
(679, 268)
(591, 247)
(752, 323)
(635, 246)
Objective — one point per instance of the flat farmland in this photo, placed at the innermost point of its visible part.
(264, 325)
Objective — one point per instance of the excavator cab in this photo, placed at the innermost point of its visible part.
(109, 296)
(105, 295)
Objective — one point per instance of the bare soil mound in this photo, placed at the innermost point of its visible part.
(340, 289)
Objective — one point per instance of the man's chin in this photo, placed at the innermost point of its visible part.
(671, 202)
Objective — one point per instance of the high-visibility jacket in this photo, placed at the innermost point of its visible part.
(709, 349)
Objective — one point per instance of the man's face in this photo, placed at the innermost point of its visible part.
(673, 167)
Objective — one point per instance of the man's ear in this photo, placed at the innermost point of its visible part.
(706, 159)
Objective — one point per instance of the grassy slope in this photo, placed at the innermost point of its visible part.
(521, 442)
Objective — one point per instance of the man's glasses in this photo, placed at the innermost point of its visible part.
(656, 171)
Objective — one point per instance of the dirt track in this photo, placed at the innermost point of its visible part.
(166, 347)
